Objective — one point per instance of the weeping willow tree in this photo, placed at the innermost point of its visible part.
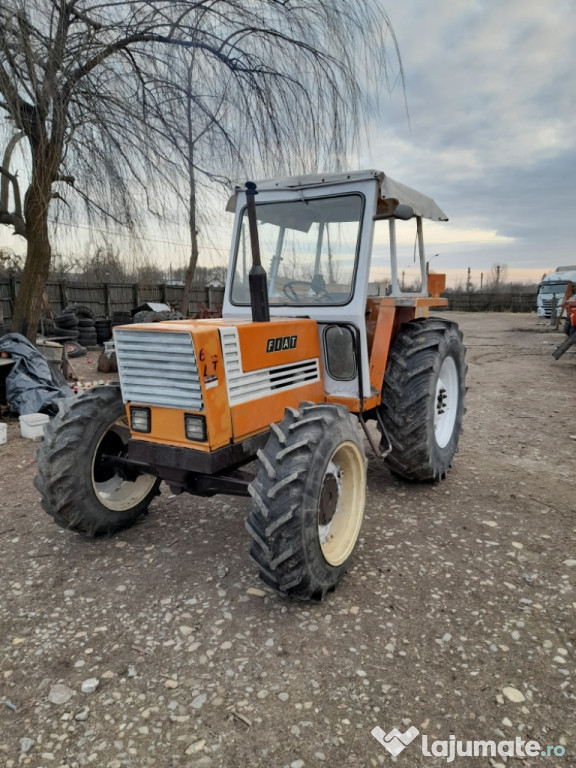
(116, 107)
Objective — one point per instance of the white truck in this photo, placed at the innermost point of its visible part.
(552, 290)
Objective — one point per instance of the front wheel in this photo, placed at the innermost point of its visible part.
(423, 398)
(308, 500)
(79, 488)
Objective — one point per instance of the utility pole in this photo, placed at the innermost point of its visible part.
(481, 280)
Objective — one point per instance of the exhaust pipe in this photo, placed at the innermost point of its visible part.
(257, 276)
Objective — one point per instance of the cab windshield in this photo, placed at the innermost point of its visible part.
(553, 288)
(308, 249)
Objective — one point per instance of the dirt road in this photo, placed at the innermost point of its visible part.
(458, 617)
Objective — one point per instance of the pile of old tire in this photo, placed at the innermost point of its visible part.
(103, 330)
(82, 312)
(87, 332)
(85, 320)
(121, 318)
(66, 325)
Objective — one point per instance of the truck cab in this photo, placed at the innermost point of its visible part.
(552, 290)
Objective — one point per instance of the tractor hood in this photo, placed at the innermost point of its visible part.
(392, 193)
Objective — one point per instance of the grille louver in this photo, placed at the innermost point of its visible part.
(158, 368)
(252, 385)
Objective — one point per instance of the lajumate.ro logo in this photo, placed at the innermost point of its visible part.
(395, 742)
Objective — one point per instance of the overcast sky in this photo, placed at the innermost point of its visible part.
(491, 94)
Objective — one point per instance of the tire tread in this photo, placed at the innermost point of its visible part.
(275, 522)
(407, 397)
(64, 471)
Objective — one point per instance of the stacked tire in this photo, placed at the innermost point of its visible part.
(66, 325)
(121, 318)
(87, 332)
(85, 321)
(103, 330)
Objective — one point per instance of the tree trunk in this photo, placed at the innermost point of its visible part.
(28, 306)
(185, 309)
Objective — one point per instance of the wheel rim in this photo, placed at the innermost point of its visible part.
(112, 491)
(446, 402)
(341, 503)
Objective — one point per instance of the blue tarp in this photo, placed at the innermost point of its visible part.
(31, 386)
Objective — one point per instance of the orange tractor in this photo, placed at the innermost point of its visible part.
(569, 307)
(301, 360)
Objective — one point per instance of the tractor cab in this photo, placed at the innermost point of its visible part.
(316, 238)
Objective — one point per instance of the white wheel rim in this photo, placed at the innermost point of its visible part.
(115, 493)
(338, 537)
(446, 402)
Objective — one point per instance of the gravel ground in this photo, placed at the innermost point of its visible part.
(160, 647)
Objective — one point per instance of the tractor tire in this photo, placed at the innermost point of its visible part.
(308, 500)
(423, 399)
(79, 490)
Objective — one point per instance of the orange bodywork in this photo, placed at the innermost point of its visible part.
(281, 342)
(259, 353)
(255, 337)
(571, 310)
(384, 318)
(264, 354)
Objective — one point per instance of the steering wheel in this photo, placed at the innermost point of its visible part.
(290, 292)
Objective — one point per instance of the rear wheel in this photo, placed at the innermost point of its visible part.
(308, 500)
(423, 398)
(78, 487)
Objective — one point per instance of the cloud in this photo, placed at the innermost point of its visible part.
(439, 233)
(490, 90)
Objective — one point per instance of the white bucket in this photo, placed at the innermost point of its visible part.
(32, 425)
(3, 433)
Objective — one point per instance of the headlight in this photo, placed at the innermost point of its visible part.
(140, 419)
(195, 427)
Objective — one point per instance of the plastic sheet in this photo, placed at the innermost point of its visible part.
(31, 385)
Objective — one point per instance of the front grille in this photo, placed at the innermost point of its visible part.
(547, 307)
(158, 368)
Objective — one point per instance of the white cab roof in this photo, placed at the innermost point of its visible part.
(392, 192)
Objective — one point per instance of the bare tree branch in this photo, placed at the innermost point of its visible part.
(139, 105)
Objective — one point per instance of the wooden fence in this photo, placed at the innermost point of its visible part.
(492, 302)
(104, 299)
